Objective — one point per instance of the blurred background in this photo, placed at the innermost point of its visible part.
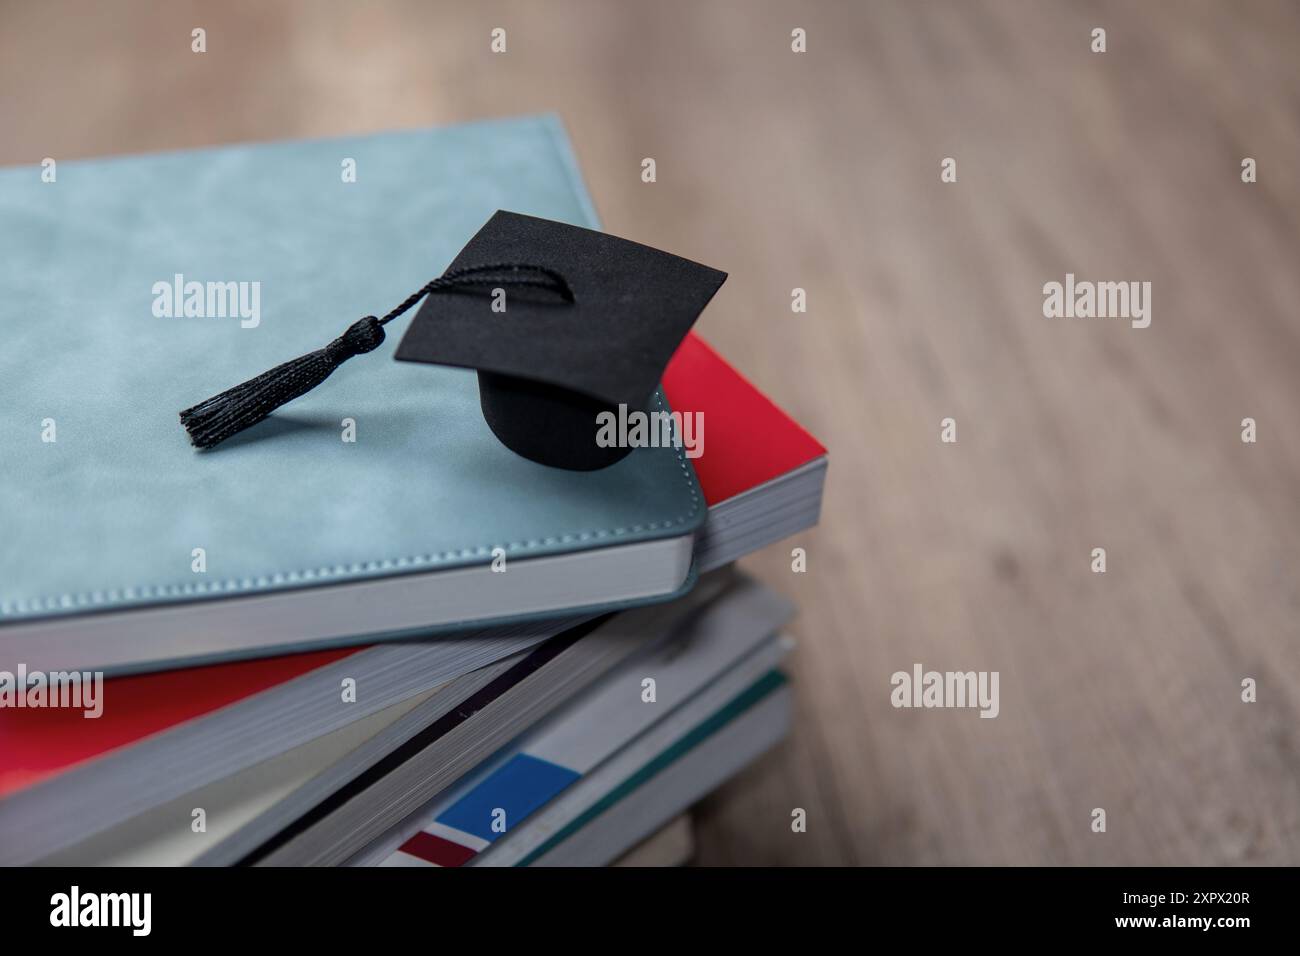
(821, 170)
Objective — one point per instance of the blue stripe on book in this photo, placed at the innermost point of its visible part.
(519, 786)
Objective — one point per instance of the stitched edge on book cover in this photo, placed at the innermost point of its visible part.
(141, 595)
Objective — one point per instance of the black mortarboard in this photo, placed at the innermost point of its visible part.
(589, 324)
(547, 367)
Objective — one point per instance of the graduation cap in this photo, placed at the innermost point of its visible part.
(561, 324)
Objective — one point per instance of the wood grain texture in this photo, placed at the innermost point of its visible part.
(821, 171)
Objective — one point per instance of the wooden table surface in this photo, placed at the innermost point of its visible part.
(821, 170)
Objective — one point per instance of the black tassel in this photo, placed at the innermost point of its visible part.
(213, 421)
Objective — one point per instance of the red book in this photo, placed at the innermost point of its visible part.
(748, 442)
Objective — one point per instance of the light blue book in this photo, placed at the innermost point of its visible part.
(383, 507)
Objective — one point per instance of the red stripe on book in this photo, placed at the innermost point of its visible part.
(35, 744)
(436, 850)
(748, 440)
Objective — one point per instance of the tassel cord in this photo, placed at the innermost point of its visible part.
(213, 420)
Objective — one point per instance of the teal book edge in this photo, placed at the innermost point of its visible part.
(106, 506)
(744, 701)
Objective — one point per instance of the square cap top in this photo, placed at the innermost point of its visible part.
(632, 305)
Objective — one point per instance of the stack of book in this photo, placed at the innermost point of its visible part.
(403, 645)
